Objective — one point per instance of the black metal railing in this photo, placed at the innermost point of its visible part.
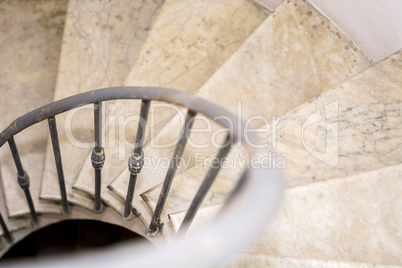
(59, 164)
(136, 159)
(23, 179)
(192, 103)
(155, 224)
(205, 186)
(98, 156)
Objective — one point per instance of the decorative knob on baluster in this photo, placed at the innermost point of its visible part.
(23, 181)
(98, 158)
(135, 162)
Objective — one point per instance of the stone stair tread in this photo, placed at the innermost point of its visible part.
(13, 224)
(100, 43)
(277, 80)
(372, 90)
(184, 189)
(108, 198)
(203, 216)
(366, 110)
(187, 43)
(31, 144)
(356, 218)
(359, 214)
(262, 260)
(30, 37)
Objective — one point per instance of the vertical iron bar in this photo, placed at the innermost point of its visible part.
(16, 156)
(6, 233)
(98, 125)
(205, 186)
(23, 179)
(136, 160)
(98, 156)
(174, 163)
(142, 127)
(59, 164)
(98, 178)
(129, 196)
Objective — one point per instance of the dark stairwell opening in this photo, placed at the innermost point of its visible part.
(71, 236)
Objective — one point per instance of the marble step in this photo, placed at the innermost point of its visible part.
(204, 216)
(183, 191)
(352, 128)
(188, 42)
(13, 224)
(284, 63)
(100, 43)
(30, 38)
(356, 218)
(364, 133)
(260, 260)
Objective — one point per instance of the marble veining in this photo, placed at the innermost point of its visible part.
(359, 128)
(266, 79)
(363, 120)
(100, 43)
(354, 218)
(188, 42)
(351, 219)
(30, 40)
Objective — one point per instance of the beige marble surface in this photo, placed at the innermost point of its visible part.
(204, 216)
(354, 219)
(261, 260)
(30, 40)
(358, 128)
(365, 134)
(188, 42)
(100, 43)
(293, 56)
(184, 189)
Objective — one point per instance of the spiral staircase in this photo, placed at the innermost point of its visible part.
(325, 116)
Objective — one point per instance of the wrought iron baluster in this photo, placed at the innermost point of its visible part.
(6, 233)
(23, 179)
(206, 184)
(136, 160)
(98, 157)
(59, 164)
(155, 225)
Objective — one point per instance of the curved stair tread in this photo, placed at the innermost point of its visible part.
(184, 189)
(360, 214)
(190, 40)
(363, 118)
(262, 260)
(31, 144)
(13, 224)
(355, 218)
(204, 215)
(368, 119)
(187, 43)
(30, 38)
(108, 198)
(100, 43)
(279, 79)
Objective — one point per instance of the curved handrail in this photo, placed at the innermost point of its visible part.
(247, 210)
(192, 102)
